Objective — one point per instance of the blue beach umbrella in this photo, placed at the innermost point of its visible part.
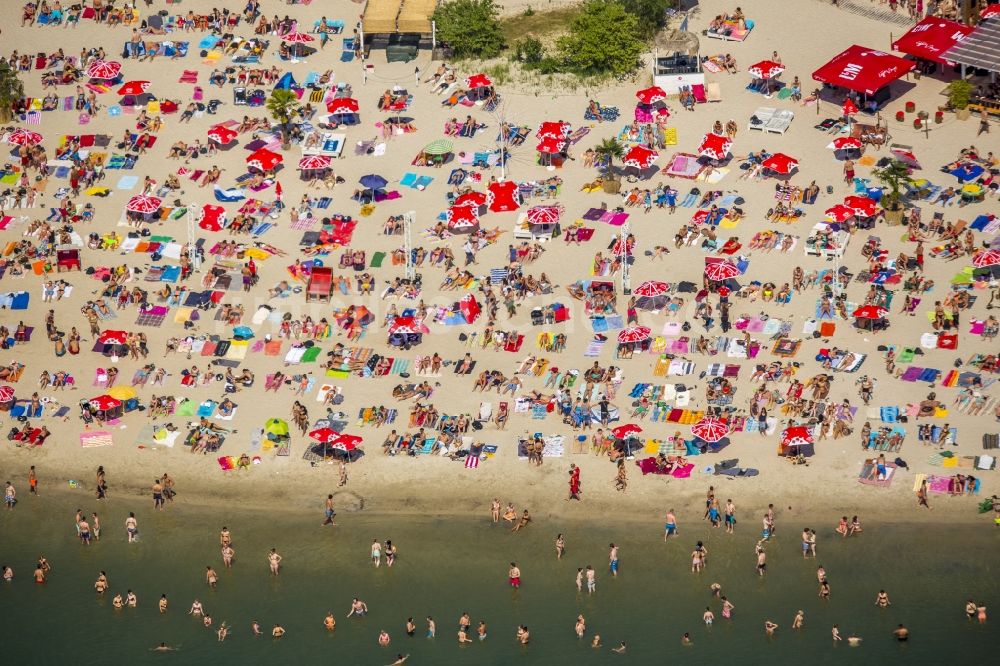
(373, 182)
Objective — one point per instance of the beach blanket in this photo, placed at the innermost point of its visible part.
(867, 478)
(95, 438)
(648, 466)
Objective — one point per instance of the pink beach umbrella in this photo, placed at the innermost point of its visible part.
(143, 203)
(710, 429)
(986, 259)
(634, 334)
(544, 214)
(651, 288)
(314, 162)
(720, 271)
(715, 146)
(104, 69)
(24, 137)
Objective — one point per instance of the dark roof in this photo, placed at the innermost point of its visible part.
(980, 49)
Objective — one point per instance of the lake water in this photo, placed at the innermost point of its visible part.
(449, 565)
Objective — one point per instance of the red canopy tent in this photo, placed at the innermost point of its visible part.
(462, 219)
(780, 163)
(863, 70)
(222, 135)
(554, 129)
(472, 199)
(715, 146)
(264, 159)
(503, 196)
(931, 38)
(640, 157)
(991, 11)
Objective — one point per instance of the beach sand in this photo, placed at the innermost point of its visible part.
(808, 37)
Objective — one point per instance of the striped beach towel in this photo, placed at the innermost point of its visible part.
(471, 462)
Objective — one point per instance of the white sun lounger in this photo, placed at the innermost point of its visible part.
(779, 122)
(761, 117)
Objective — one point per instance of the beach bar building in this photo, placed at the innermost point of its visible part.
(401, 27)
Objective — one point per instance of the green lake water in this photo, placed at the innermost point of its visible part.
(450, 565)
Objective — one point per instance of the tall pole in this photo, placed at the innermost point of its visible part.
(626, 269)
(408, 219)
(192, 252)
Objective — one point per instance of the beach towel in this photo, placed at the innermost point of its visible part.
(95, 438)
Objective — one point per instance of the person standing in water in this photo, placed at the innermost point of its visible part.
(581, 626)
(495, 510)
(591, 580)
(132, 528)
(835, 633)
(727, 608)
(211, 577)
(800, 618)
(431, 627)
(514, 576)
(613, 560)
(730, 517)
(769, 627)
(670, 528)
(376, 553)
(560, 546)
(274, 561)
(228, 555)
(329, 512)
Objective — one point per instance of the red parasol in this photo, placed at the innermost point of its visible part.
(264, 159)
(780, 163)
(408, 325)
(346, 443)
(134, 88)
(470, 308)
(991, 11)
(870, 312)
(297, 37)
(710, 429)
(766, 69)
(555, 130)
(24, 137)
(551, 145)
(211, 217)
(544, 214)
(845, 143)
(840, 213)
(906, 157)
(314, 162)
(472, 199)
(720, 271)
(462, 215)
(640, 157)
(651, 95)
(6, 393)
(342, 105)
(103, 403)
(110, 337)
(502, 196)
(986, 259)
(104, 69)
(651, 288)
(796, 436)
(849, 108)
(324, 435)
(222, 135)
(715, 146)
(863, 206)
(634, 334)
(143, 203)
(478, 81)
(623, 431)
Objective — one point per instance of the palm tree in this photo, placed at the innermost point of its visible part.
(609, 150)
(893, 176)
(11, 91)
(282, 105)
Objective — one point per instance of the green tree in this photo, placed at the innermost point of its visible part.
(282, 105)
(470, 28)
(11, 90)
(603, 39)
(609, 149)
(893, 176)
(650, 14)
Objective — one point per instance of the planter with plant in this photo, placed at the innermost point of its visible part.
(283, 105)
(893, 177)
(959, 94)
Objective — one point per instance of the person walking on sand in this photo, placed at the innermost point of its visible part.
(922, 494)
(9, 496)
(984, 122)
(274, 561)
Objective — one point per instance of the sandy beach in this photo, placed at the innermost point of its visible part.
(285, 480)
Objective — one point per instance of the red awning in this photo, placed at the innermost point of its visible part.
(930, 38)
(863, 70)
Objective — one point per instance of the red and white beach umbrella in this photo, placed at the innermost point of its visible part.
(103, 403)
(840, 213)
(324, 435)
(222, 135)
(845, 143)
(143, 203)
(503, 196)
(346, 443)
(863, 206)
(710, 429)
(24, 137)
(623, 431)
(634, 334)
(6, 393)
(211, 217)
(870, 312)
(408, 325)
(544, 214)
(104, 69)
(110, 337)
(651, 288)
(264, 159)
(766, 69)
(986, 259)
(342, 105)
(472, 199)
(796, 436)
(462, 216)
(720, 271)
(134, 87)
(780, 163)
(906, 157)
(551, 145)
(651, 95)
(478, 81)
(298, 37)
(554, 129)
(640, 157)
(991, 11)
(715, 146)
(314, 162)
(850, 108)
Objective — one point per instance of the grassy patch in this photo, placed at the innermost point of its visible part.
(542, 23)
